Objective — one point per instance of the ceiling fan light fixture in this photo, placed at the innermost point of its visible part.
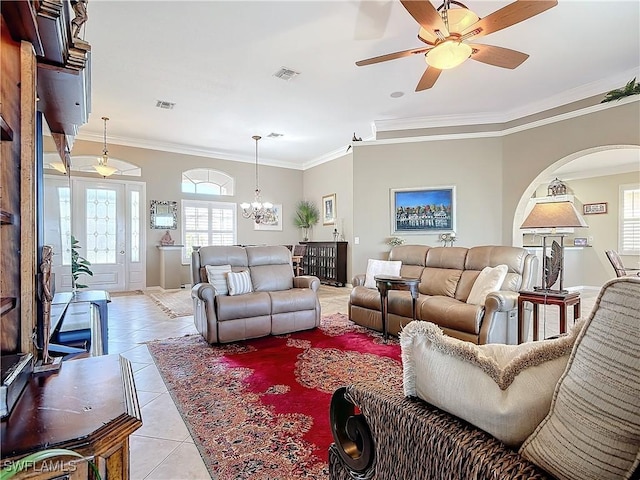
(448, 54)
(460, 19)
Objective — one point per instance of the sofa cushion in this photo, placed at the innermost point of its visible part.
(380, 267)
(270, 278)
(233, 307)
(293, 300)
(505, 390)
(592, 430)
(239, 283)
(450, 313)
(217, 276)
(489, 280)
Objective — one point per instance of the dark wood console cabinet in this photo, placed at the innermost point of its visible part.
(90, 406)
(327, 261)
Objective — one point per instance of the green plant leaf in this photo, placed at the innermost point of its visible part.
(307, 214)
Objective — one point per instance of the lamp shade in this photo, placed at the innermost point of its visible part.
(554, 215)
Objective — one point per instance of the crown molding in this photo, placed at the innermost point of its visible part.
(500, 132)
(564, 98)
(186, 150)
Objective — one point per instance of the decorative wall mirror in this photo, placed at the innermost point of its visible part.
(164, 215)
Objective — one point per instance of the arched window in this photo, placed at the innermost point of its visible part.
(207, 182)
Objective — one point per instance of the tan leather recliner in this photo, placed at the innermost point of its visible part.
(280, 303)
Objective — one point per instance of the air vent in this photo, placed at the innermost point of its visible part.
(275, 135)
(164, 104)
(286, 74)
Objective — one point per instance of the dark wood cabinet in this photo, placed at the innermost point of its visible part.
(327, 261)
(90, 406)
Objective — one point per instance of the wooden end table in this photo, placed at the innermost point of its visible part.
(390, 282)
(562, 300)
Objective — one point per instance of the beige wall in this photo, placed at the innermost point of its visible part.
(333, 177)
(473, 166)
(162, 173)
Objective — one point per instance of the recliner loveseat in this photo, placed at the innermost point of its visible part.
(447, 275)
(279, 303)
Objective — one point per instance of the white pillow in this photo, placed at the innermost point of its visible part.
(505, 390)
(217, 276)
(380, 267)
(239, 282)
(489, 280)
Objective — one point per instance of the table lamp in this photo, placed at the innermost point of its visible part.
(553, 215)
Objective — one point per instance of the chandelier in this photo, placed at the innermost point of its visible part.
(258, 211)
(102, 168)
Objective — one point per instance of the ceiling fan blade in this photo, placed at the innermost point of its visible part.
(391, 56)
(513, 13)
(428, 79)
(426, 15)
(498, 56)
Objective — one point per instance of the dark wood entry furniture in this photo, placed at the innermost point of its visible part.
(562, 300)
(389, 282)
(90, 406)
(327, 261)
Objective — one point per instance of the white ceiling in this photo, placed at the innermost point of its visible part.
(216, 60)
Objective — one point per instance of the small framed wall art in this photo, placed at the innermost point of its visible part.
(273, 221)
(594, 208)
(329, 209)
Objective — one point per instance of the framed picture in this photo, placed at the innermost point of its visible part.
(580, 242)
(329, 209)
(273, 222)
(163, 215)
(594, 208)
(423, 210)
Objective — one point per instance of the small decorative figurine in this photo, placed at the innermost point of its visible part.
(166, 239)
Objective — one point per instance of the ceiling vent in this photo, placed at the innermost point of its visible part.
(164, 104)
(286, 74)
(275, 135)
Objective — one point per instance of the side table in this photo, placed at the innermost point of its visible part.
(389, 282)
(562, 300)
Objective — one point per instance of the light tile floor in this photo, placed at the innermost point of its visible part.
(163, 448)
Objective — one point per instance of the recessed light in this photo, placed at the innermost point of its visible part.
(397, 94)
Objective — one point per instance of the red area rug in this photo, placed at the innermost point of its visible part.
(260, 409)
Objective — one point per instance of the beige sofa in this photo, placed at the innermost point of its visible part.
(279, 303)
(446, 277)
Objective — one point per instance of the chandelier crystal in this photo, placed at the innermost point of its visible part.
(257, 210)
(102, 168)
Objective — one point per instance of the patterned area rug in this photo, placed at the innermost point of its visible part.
(175, 303)
(260, 409)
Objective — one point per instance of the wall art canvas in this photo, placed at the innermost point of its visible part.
(273, 221)
(423, 210)
(329, 209)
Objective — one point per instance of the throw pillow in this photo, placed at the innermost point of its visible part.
(504, 390)
(592, 430)
(489, 280)
(380, 267)
(239, 282)
(217, 276)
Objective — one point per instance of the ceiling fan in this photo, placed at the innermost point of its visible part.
(446, 32)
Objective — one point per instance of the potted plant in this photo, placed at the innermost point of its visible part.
(307, 215)
(79, 264)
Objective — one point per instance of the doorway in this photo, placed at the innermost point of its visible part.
(106, 218)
